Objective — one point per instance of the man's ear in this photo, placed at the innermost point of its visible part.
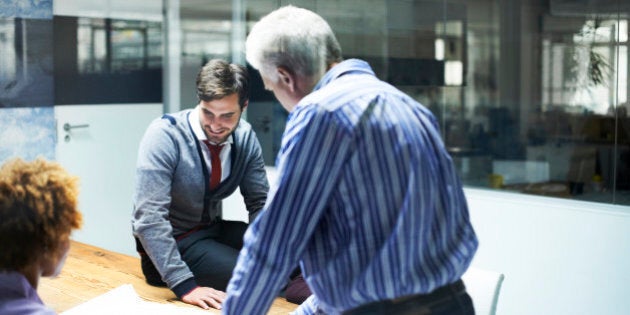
(287, 78)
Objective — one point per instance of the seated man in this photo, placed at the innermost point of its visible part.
(187, 163)
(38, 211)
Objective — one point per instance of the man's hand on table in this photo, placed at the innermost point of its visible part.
(205, 297)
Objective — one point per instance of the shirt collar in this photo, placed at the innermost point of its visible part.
(15, 282)
(344, 67)
(193, 120)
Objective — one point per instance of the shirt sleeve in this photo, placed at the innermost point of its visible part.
(157, 159)
(307, 307)
(313, 150)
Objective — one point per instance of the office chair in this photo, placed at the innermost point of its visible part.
(483, 286)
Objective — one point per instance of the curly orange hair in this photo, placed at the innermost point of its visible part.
(38, 210)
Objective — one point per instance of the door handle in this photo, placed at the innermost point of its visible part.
(68, 127)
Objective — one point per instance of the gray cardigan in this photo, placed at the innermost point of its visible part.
(172, 194)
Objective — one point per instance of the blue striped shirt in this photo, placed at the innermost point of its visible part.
(366, 199)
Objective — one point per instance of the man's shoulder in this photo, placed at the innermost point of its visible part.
(177, 120)
(174, 118)
(168, 126)
(243, 128)
(348, 89)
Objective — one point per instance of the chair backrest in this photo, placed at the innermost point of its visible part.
(483, 286)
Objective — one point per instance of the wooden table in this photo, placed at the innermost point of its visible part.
(90, 271)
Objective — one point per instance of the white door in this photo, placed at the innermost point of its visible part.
(99, 144)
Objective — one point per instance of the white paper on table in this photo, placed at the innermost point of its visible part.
(124, 300)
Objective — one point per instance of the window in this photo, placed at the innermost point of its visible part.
(94, 56)
(531, 96)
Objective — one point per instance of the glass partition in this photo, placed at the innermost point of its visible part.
(94, 56)
(531, 95)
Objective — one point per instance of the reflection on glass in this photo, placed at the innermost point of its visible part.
(206, 39)
(531, 96)
(453, 73)
(91, 48)
(7, 58)
(117, 46)
(582, 129)
(202, 39)
(25, 62)
(94, 56)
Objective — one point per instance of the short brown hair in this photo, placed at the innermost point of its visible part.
(38, 210)
(218, 79)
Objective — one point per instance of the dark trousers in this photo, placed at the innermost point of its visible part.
(210, 253)
(450, 299)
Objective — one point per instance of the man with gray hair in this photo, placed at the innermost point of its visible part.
(367, 197)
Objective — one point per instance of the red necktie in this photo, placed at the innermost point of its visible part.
(215, 175)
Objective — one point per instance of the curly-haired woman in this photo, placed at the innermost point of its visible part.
(38, 211)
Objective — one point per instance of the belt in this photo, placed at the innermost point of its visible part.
(437, 295)
(191, 231)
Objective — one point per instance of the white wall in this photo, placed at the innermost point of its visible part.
(103, 155)
(558, 256)
(234, 206)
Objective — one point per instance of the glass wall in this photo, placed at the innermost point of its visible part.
(531, 95)
(93, 56)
